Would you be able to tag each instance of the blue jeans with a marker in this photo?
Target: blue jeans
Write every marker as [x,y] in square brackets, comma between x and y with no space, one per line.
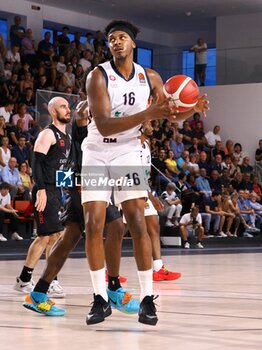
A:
[208,219]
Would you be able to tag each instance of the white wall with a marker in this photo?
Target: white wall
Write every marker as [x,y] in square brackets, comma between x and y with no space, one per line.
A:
[237,109]
[239,49]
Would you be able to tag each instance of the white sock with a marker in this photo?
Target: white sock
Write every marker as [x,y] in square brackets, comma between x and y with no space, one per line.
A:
[99,282]
[157,264]
[146,283]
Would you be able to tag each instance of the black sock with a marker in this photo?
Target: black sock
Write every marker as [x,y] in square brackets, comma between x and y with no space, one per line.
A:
[26,274]
[42,286]
[113,283]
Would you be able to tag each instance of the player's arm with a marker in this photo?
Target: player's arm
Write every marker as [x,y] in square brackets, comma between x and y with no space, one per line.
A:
[100,108]
[44,141]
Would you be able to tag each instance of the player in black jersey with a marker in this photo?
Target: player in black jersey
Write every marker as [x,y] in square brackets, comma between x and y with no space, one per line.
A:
[51,151]
[73,220]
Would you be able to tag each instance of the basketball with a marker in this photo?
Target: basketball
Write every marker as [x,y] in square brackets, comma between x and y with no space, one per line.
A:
[183,90]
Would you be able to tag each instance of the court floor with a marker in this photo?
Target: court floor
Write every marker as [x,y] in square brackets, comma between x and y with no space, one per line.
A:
[216,305]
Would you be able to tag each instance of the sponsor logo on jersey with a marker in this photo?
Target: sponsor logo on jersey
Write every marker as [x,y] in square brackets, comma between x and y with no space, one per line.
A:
[112,77]
[117,114]
[141,78]
[62,143]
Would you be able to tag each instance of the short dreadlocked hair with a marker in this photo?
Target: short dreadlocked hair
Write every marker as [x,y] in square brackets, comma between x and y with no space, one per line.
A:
[124,26]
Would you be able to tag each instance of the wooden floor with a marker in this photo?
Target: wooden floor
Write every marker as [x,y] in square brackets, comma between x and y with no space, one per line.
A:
[217,304]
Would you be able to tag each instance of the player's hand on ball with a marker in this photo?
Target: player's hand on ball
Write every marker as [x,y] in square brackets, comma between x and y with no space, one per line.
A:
[202,105]
[41,200]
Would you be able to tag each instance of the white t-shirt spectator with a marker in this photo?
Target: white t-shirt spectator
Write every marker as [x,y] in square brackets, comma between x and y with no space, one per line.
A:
[186,218]
[201,57]
[5,114]
[85,64]
[4,200]
[168,197]
[13,58]
[61,67]
[212,138]
[27,118]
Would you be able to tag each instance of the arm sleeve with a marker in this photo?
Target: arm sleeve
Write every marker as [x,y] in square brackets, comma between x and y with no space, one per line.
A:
[37,168]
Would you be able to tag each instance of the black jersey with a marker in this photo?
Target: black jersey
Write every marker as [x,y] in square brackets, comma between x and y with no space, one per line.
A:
[56,156]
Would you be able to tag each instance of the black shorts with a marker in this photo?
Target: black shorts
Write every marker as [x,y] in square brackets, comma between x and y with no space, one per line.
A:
[48,221]
[73,210]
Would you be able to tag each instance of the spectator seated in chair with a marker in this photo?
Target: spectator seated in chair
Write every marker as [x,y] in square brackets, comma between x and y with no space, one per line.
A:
[191,224]
[172,205]
[8,212]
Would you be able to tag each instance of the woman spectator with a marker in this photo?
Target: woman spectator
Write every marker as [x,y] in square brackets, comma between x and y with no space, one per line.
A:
[238,152]
[234,209]
[24,176]
[5,153]
[256,186]
[171,165]
[3,131]
[68,79]
[154,148]
[235,168]
[79,78]
[167,130]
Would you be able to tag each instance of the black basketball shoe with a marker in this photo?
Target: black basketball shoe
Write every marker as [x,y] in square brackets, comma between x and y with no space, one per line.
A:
[99,311]
[147,311]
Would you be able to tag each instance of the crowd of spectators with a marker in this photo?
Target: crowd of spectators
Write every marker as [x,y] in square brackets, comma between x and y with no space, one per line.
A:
[195,167]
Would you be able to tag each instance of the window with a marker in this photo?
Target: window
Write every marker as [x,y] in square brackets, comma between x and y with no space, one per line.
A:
[189,65]
[48,30]
[144,57]
[3,29]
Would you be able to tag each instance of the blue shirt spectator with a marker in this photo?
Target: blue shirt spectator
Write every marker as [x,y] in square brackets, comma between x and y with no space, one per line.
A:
[202,183]
[10,173]
[177,146]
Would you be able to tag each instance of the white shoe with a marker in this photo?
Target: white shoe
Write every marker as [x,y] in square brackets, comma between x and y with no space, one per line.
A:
[55,290]
[222,234]
[2,238]
[169,223]
[24,287]
[15,236]
[187,245]
[199,245]
[246,234]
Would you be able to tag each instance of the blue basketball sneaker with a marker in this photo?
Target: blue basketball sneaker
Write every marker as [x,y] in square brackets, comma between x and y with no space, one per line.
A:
[123,301]
[39,302]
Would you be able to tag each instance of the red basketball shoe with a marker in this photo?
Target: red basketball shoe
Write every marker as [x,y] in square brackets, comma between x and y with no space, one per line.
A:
[122,279]
[165,275]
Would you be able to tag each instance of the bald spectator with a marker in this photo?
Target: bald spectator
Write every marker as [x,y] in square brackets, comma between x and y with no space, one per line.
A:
[177,145]
[245,167]
[28,119]
[10,174]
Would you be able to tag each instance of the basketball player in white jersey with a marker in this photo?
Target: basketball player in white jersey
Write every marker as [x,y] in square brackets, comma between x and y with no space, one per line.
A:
[118,92]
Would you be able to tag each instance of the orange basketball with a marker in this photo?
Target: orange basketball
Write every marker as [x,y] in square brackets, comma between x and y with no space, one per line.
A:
[183,91]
